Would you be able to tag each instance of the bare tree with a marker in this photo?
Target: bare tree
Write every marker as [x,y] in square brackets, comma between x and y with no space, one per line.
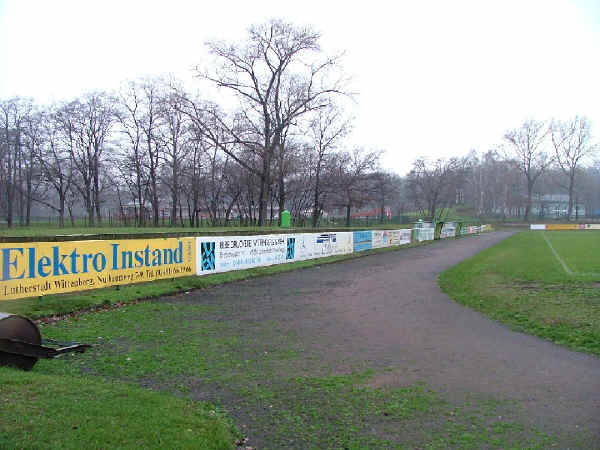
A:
[384,186]
[13,114]
[352,170]
[31,170]
[327,129]
[134,160]
[433,185]
[88,121]
[527,143]
[56,164]
[173,135]
[277,80]
[140,118]
[572,144]
[192,173]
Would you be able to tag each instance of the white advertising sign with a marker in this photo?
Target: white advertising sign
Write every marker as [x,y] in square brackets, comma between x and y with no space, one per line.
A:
[319,245]
[448,230]
[380,238]
[388,238]
[535,226]
[225,253]
[400,237]
[424,234]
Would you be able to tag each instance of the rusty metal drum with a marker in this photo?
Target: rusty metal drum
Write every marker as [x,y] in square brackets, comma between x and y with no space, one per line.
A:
[21,329]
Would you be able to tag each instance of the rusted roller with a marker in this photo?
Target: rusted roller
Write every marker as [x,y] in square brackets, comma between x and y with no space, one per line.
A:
[17,329]
[21,343]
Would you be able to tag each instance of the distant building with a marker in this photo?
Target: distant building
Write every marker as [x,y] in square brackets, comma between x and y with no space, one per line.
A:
[387,213]
[556,206]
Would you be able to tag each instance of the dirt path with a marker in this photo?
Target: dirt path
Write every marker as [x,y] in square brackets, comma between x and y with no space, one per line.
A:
[388,311]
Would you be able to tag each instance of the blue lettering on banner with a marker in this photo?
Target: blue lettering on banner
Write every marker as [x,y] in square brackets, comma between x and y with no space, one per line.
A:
[326,237]
[73,263]
[7,264]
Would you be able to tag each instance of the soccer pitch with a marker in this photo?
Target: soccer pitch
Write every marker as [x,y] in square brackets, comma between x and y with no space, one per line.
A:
[545,283]
[578,252]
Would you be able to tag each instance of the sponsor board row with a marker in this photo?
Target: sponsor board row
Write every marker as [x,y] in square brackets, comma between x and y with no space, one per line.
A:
[424,234]
[565,226]
[44,268]
[451,229]
[448,230]
[471,229]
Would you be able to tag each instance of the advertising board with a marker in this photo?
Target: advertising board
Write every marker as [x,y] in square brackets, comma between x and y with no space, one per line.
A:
[380,238]
[448,230]
[424,234]
[43,268]
[388,238]
[225,253]
[562,226]
[362,240]
[400,237]
[319,245]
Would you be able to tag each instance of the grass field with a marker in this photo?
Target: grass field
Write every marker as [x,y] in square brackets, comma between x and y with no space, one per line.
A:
[255,370]
[545,283]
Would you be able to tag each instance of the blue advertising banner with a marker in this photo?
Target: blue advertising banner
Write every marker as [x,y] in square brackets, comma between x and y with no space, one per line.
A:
[363,240]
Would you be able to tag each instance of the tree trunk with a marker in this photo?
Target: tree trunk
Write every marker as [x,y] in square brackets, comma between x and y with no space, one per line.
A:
[316,206]
[97,190]
[61,210]
[155,212]
[571,189]
[175,189]
[528,206]
[265,183]
[281,197]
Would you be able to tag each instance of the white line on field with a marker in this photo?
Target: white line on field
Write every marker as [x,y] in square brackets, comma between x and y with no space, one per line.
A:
[560,260]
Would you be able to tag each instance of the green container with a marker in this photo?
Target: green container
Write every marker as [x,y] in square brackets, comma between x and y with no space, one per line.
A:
[285,219]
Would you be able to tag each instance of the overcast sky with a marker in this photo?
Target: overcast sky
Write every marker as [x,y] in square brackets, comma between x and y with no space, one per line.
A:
[435,78]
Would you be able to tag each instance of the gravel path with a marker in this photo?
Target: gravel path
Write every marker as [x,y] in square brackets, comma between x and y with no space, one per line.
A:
[388,311]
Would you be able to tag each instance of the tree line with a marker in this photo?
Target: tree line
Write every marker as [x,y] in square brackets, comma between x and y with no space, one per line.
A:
[277,140]
[535,162]
[155,143]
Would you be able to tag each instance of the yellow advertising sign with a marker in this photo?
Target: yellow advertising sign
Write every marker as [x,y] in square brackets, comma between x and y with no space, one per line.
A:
[42,268]
[562,226]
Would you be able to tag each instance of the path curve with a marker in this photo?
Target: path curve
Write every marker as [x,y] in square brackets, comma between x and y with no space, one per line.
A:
[388,310]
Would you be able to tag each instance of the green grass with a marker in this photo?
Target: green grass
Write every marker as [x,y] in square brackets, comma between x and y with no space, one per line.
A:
[36,307]
[580,250]
[48,411]
[521,282]
[280,392]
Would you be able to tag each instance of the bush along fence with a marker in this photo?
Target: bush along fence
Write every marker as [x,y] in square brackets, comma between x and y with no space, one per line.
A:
[35,269]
